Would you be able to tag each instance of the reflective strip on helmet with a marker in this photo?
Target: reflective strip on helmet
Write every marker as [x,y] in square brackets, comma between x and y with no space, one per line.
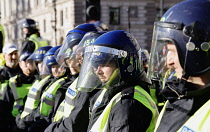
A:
[113,51]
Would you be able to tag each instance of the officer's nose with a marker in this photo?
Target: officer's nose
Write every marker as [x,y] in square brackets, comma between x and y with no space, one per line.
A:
[98,70]
[170,59]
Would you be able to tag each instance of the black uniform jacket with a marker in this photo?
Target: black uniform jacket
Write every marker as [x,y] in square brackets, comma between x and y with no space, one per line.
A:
[41,122]
[24,123]
[178,111]
[127,115]
[28,46]
[7,72]
[139,116]
[8,101]
[79,117]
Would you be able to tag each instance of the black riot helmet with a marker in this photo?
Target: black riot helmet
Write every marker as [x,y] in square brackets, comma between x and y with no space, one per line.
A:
[187,26]
[117,50]
[30,24]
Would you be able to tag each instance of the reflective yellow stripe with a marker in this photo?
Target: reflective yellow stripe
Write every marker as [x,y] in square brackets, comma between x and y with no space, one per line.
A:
[160,115]
[143,97]
[101,125]
[71,94]
[12,85]
[48,97]
[153,94]
[199,122]
[3,35]
[33,97]
[19,93]
[3,88]
[99,99]
[59,112]
[38,41]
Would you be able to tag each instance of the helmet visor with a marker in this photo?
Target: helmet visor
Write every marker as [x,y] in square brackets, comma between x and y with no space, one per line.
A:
[57,70]
[66,49]
[78,52]
[46,69]
[100,69]
[163,55]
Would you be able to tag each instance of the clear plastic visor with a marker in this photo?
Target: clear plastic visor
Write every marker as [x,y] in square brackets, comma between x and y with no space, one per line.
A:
[66,48]
[163,53]
[51,67]
[100,69]
[78,52]
[46,69]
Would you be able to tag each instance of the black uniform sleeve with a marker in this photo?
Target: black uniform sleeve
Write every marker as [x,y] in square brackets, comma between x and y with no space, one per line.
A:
[129,115]
[78,119]
[27,121]
[44,122]
[6,105]
[60,96]
[8,97]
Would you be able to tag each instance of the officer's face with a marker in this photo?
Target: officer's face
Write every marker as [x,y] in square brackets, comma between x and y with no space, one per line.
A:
[11,59]
[57,70]
[173,60]
[25,30]
[74,63]
[28,67]
[104,71]
[39,66]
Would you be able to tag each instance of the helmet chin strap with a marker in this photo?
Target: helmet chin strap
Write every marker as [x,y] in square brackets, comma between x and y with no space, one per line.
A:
[185,75]
[187,48]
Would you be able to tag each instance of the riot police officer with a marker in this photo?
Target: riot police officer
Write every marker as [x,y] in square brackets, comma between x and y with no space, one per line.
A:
[77,39]
[181,44]
[33,40]
[17,89]
[24,118]
[112,63]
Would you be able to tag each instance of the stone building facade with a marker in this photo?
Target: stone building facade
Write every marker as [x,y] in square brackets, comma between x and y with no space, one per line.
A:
[57,17]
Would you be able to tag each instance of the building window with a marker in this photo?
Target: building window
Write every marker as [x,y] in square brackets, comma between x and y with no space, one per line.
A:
[66,12]
[61,17]
[44,25]
[37,3]
[114,16]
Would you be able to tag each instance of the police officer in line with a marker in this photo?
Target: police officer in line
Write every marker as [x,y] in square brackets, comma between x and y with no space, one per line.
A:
[38,57]
[17,89]
[33,40]
[66,55]
[76,103]
[112,64]
[184,34]
[53,94]
[24,119]
[11,68]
